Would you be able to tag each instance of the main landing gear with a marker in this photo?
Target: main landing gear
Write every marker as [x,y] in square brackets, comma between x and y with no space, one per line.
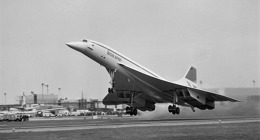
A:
[173,108]
[130,109]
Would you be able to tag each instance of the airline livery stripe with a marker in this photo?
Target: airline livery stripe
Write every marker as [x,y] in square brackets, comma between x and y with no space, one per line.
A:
[125,59]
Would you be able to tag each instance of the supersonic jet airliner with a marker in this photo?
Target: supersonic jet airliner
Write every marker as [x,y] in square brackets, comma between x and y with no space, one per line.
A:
[140,88]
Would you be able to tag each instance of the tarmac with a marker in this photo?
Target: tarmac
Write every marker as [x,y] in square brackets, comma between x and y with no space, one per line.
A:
[108,122]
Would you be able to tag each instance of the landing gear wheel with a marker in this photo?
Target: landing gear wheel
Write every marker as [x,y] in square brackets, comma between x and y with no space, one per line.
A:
[178,110]
[127,110]
[131,110]
[170,108]
[173,109]
[135,111]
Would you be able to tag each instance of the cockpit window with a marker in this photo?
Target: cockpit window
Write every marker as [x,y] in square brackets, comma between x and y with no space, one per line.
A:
[84,40]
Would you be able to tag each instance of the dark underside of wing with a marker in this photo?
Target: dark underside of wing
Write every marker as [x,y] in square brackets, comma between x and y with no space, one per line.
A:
[214,96]
[165,86]
[149,90]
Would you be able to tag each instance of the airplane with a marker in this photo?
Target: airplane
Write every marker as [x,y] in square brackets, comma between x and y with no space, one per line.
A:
[140,88]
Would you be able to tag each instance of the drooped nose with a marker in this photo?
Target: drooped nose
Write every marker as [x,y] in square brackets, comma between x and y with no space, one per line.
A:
[79,46]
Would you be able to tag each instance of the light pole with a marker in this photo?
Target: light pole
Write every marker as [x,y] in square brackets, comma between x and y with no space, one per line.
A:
[42,91]
[200,84]
[5,98]
[47,88]
[59,91]
[23,100]
[254,83]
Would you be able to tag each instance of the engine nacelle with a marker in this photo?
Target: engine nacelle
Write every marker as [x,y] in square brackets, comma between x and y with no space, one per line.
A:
[210,105]
[199,100]
[149,106]
[197,96]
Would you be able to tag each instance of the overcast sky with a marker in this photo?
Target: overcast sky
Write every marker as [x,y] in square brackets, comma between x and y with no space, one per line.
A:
[219,37]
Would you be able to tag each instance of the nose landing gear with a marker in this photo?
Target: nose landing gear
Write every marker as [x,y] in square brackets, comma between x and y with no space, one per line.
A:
[112,82]
[129,109]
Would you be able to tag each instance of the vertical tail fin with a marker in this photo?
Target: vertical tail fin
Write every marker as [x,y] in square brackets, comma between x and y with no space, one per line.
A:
[191,74]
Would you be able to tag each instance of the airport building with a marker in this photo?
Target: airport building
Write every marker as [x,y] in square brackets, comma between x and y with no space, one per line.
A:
[7,107]
[92,104]
[38,99]
[76,104]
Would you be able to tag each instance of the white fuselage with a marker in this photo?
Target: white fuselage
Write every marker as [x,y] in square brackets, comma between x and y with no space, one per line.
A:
[110,59]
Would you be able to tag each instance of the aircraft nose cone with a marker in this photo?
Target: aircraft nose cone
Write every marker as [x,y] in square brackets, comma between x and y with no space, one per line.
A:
[76,45]
[72,45]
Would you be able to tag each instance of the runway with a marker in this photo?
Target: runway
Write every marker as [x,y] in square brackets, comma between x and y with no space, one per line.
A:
[81,123]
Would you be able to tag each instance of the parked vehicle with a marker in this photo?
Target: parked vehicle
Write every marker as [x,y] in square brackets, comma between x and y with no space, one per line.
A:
[24,118]
[48,114]
[75,113]
[1,117]
[14,117]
